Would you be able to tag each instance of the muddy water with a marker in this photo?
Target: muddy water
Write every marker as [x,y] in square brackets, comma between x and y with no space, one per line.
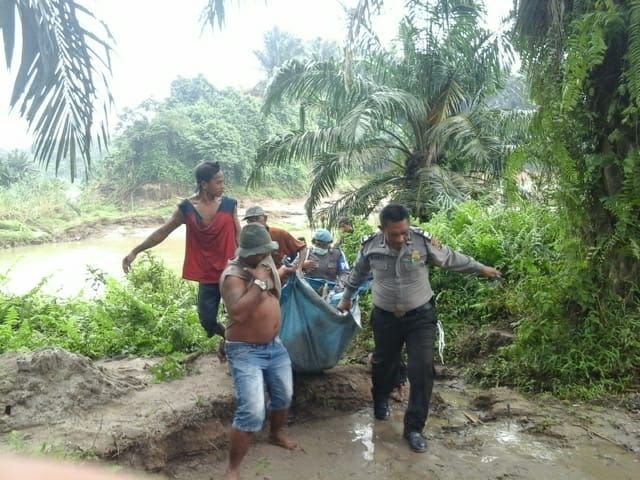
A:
[65,265]
[359,448]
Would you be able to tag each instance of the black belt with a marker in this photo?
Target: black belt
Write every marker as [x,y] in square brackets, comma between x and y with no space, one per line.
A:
[402,313]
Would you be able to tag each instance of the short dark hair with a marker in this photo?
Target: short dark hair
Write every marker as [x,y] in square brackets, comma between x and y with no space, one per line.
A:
[393,212]
[205,172]
[344,221]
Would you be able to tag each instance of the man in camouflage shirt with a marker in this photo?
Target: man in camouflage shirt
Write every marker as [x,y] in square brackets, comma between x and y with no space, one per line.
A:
[403,312]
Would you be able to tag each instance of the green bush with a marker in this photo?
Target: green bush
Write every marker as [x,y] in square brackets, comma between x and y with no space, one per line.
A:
[568,340]
[153,313]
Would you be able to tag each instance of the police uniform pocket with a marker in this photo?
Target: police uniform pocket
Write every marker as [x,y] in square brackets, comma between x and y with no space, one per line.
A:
[379,264]
[413,264]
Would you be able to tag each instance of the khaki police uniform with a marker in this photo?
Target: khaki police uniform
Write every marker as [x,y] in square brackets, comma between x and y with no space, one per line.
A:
[403,313]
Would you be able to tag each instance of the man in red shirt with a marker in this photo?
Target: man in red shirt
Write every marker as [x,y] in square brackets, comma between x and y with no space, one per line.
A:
[212,232]
[288,245]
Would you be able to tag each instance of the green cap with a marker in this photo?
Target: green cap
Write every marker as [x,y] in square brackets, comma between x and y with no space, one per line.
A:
[254,240]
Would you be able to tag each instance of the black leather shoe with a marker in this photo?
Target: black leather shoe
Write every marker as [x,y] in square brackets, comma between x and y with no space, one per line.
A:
[417,442]
[381,409]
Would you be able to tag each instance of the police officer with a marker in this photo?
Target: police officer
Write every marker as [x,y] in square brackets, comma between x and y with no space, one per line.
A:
[403,313]
[323,261]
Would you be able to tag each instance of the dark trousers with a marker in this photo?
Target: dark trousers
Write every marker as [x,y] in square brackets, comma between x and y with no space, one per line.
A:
[208,303]
[416,329]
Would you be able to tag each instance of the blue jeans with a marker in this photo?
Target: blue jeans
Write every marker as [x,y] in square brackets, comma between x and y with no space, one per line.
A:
[252,366]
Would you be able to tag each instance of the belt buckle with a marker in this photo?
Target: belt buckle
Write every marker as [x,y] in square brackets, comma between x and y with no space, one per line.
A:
[399,313]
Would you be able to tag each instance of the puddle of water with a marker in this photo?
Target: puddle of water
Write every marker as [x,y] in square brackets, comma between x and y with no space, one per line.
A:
[358,448]
[363,433]
[510,436]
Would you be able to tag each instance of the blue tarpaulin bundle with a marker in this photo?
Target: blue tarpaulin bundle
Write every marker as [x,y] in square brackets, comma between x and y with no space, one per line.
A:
[315,333]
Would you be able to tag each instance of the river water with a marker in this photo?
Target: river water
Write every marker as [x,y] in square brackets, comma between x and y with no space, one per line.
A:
[64,266]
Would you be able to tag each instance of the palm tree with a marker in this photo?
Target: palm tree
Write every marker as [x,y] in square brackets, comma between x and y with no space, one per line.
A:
[278,48]
[63,61]
[415,123]
[583,61]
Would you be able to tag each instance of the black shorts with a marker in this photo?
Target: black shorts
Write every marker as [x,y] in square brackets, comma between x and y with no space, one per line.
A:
[208,303]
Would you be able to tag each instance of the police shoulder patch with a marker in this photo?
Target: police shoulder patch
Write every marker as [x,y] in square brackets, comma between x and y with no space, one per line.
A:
[421,232]
[368,238]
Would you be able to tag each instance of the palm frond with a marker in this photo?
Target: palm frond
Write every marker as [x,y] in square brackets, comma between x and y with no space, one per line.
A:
[444,188]
[385,105]
[329,168]
[319,84]
[61,64]
[360,16]
[467,134]
[447,102]
[634,51]
[284,149]
[359,202]
[437,189]
[213,13]
[539,32]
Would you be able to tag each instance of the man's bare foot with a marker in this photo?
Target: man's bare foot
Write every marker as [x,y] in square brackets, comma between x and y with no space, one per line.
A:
[281,441]
[231,475]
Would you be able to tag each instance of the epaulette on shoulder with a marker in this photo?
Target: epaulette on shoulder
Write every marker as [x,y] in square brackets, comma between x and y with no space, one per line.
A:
[420,232]
[368,238]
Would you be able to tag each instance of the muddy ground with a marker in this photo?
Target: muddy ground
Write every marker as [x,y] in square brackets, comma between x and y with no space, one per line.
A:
[60,403]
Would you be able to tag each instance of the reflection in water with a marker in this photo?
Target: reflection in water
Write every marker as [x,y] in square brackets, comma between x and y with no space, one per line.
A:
[64,265]
[508,434]
[488,459]
[364,434]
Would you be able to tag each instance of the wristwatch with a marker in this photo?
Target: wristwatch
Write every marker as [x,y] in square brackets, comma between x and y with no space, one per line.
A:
[262,285]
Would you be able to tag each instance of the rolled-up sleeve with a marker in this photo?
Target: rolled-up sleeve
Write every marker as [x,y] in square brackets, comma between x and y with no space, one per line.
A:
[359,273]
[449,259]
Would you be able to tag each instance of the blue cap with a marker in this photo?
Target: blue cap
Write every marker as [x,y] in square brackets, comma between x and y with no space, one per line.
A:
[322,235]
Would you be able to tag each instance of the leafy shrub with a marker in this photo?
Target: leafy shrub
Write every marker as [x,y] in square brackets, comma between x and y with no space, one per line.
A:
[153,313]
[568,339]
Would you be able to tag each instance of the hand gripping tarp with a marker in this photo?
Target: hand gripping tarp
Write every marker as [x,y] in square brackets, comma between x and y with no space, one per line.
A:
[314,332]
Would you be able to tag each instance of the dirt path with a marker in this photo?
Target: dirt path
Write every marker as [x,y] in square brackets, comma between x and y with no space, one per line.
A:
[473,435]
[62,403]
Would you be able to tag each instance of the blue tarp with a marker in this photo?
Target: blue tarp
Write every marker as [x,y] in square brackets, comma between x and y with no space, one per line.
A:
[315,333]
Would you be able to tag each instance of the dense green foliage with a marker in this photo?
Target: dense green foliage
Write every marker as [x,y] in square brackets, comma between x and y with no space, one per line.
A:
[159,144]
[15,166]
[583,60]
[153,313]
[565,339]
[350,242]
[583,65]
